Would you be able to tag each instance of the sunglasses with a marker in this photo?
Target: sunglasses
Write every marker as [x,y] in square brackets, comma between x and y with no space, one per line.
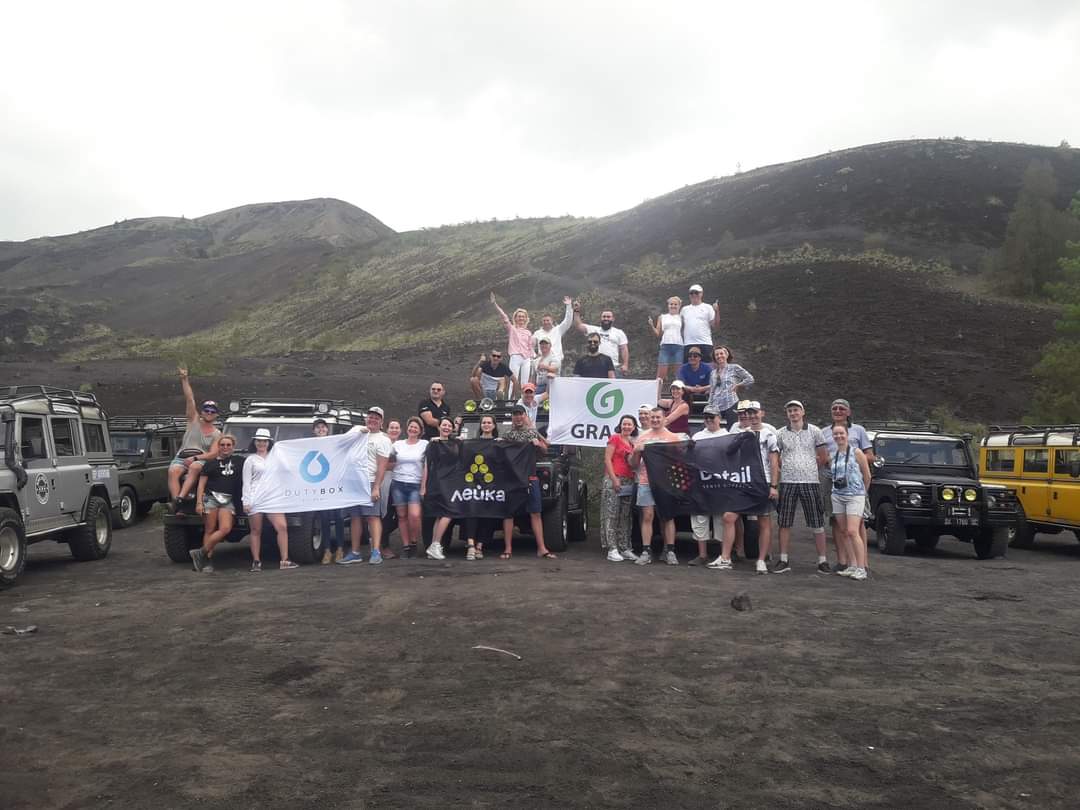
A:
[694,354]
[494,354]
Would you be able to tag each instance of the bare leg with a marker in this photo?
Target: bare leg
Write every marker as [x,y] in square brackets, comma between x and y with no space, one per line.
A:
[210,522]
[176,472]
[277,520]
[414,522]
[255,523]
[224,526]
[356,530]
[785,539]
[508,536]
[764,523]
[192,479]
[731,522]
[537,521]
[647,513]
[476,389]
[403,525]
[375,530]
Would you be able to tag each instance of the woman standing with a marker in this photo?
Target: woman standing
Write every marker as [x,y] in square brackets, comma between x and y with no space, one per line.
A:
[480,530]
[616,495]
[850,475]
[214,501]
[442,522]
[254,465]
[519,345]
[725,382]
[676,409]
[405,485]
[668,327]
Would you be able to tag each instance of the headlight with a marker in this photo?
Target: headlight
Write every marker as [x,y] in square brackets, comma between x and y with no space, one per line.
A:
[487,403]
[470,405]
[991,501]
[914,498]
[948,494]
[970,495]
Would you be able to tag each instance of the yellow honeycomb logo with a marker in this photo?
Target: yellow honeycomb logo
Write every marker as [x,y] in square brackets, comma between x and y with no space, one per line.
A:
[479,471]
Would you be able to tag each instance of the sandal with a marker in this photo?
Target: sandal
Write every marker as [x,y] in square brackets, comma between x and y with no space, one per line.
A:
[506,555]
[471,553]
[287,565]
[479,552]
[547,555]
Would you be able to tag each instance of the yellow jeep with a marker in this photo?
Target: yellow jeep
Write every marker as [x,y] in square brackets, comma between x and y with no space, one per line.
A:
[1042,463]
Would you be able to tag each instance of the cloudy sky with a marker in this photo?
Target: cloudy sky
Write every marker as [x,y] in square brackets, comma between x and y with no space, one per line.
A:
[434,113]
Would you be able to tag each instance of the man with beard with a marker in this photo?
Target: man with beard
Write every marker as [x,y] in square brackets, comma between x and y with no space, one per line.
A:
[613,342]
[594,364]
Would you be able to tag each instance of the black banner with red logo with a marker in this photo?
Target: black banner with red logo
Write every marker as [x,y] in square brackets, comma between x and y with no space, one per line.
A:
[477,478]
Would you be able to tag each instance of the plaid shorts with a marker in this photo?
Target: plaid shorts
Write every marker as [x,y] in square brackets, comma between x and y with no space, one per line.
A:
[813,508]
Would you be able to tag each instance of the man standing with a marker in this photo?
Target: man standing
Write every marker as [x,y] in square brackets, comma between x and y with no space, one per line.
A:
[802,454]
[489,377]
[840,414]
[695,374]
[520,431]
[594,364]
[699,524]
[770,460]
[698,318]
[656,433]
[554,333]
[379,449]
[613,342]
[433,409]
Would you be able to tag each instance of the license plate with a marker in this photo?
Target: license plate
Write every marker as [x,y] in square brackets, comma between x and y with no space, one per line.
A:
[958,511]
[959,521]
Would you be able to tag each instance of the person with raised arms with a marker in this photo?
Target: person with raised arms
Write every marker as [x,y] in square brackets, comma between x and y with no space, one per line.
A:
[198,445]
[519,344]
[554,332]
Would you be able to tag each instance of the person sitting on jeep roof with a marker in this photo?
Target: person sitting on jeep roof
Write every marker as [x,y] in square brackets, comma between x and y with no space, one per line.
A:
[254,465]
[198,445]
[489,377]
[521,431]
[215,501]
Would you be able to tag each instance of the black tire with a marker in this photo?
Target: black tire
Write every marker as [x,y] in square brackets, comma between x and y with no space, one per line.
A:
[145,507]
[1023,535]
[180,539]
[127,512]
[927,541]
[555,525]
[306,544]
[751,548]
[577,523]
[891,538]
[93,539]
[12,547]
[991,543]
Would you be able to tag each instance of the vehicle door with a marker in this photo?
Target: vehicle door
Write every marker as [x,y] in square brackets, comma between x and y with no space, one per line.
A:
[1035,482]
[154,483]
[41,500]
[1065,487]
[71,465]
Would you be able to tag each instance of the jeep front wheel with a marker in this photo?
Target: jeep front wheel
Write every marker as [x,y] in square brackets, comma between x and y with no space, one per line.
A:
[180,539]
[555,525]
[92,540]
[129,508]
[577,528]
[12,547]
[889,530]
[991,543]
[926,540]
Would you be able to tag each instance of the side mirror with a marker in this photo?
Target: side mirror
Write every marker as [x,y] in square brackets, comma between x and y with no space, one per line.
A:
[1074,468]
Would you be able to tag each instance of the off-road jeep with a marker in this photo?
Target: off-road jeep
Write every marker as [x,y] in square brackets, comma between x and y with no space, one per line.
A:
[285,419]
[143,446]
[924,484]
[564,493]
[58,480]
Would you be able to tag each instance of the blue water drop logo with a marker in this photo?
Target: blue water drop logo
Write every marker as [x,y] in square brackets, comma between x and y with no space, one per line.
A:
[314,456]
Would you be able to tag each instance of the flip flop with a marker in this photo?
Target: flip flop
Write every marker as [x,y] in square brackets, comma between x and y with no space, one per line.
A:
[547,555]
[506,555]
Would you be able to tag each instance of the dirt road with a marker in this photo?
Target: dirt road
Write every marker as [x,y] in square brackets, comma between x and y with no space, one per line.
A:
[941,682]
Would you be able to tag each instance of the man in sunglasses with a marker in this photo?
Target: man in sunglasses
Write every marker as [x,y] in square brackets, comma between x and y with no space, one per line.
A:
[489,377]
[199,445]
[432,409]
[594,363]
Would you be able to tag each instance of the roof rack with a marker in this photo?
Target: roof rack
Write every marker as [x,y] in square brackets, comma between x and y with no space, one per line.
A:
[1033,431]
[899,426]
[290,406]
[147,423]
[10,394]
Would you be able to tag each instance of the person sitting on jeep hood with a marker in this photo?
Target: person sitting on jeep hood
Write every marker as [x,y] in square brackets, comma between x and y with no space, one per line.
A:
[199,445]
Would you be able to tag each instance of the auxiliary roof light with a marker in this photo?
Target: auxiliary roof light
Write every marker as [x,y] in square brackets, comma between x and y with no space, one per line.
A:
[470,405]
[487,404]
[234,405]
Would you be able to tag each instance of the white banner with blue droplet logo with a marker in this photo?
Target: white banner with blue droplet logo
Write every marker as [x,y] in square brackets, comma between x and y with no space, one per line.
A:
[585,411]
[312,474]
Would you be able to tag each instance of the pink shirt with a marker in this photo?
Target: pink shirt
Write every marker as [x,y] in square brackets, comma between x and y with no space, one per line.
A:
[519,339]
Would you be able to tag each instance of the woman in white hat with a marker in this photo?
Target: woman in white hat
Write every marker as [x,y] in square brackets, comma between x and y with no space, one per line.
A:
[254,465]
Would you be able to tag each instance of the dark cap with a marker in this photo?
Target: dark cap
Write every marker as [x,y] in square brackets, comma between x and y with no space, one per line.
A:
[519,409]
[210,405]
[319,421]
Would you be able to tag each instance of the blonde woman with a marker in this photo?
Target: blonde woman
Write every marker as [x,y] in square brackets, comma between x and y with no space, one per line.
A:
[850,474]
[519,345]
[668,327]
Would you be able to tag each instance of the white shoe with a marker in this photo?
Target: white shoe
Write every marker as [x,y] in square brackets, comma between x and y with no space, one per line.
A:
[720,564]
[761,567]
[847,572]
[435,552]
[629,555]
[613,555]
[859,573]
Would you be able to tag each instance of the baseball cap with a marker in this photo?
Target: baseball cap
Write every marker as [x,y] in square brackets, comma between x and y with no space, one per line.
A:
[710,410]
[376,409]
[843,402]
[678,384]
[518,409]
[794,403]
[210,405]
[645,406]
[529,387]
[696,288]
[544,340]
[319,421]
[748,405]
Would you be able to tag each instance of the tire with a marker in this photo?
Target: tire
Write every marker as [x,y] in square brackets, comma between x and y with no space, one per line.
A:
[991,543]
[577,523]
[93,539]
[12,547]
[127,512]
[145,507]
[890,535]
[1023,535]
[179,540]
[750,539]
[555,520]
[927,541]
[306,544]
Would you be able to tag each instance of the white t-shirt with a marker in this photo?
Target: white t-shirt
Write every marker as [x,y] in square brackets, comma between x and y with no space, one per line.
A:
[409,466]
[672,326]
[554,334]
[610,341]
[254,467]
[710,434]
[378,444]
[697,324]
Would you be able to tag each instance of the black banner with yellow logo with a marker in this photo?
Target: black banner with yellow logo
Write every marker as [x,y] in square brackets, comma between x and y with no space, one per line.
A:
[477,478]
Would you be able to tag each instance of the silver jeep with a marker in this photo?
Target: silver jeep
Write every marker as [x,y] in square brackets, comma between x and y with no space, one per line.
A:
[58,478]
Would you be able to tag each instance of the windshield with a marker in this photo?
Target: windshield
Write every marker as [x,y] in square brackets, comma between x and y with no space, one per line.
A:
[921,452]
[127,445]
[245,432]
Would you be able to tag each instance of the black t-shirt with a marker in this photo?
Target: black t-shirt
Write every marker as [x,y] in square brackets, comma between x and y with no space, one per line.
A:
[593,366]
[501,370]
[438,411]
[223,475]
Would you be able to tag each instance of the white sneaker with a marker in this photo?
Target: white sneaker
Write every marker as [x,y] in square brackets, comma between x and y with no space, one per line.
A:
[645,558]
[761,567]
[847,572]
[860,573]
[629,555]
[613,555]
[720,564]
[670,558]
[435,552]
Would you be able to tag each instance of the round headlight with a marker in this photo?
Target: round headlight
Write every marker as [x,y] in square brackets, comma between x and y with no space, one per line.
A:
[915,499]
[948,494]
[470,405]
[487,403]
[970,495]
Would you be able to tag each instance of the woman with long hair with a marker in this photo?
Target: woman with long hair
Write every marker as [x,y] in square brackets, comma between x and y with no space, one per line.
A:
[668,327]
[254,466]
[676,408]
[405,485]
[447,431]
[617,492]
[725,384]
[850,475]
[480,530]
[215,501]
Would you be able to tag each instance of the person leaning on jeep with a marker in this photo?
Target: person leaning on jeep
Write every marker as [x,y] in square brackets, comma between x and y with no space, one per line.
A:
[489,377]
[199,445]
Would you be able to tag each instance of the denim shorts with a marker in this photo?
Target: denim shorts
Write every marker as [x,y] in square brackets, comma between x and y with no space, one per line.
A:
[644,495]
[670,354]
[374,510]
[536,502]
[210,503]
[403,493]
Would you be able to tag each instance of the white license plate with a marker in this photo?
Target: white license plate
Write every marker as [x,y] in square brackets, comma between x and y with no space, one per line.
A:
[959,511]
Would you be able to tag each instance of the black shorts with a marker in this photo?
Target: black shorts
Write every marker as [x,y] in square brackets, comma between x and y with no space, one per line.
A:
[813,508]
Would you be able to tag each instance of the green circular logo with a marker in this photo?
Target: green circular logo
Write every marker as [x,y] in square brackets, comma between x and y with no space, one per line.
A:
[603,404]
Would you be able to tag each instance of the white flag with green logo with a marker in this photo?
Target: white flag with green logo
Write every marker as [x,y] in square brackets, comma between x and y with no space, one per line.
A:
[586,411]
